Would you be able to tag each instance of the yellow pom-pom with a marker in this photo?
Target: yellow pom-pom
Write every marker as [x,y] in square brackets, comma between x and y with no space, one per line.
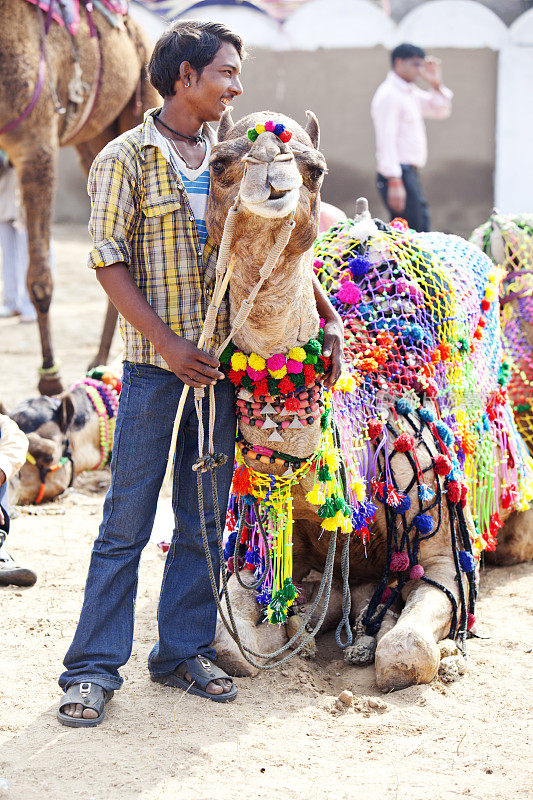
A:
[260,128]
[239,361]
[278,374]
[332,459]
[315,496]
[360,489]
[297,354]
[490,293]
[329,524]
[256,362]
[346,383]
[346,525]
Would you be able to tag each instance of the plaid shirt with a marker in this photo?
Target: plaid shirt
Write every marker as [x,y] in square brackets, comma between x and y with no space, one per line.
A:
[140,215]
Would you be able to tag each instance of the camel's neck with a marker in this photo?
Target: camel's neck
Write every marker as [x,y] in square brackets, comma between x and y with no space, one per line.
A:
[284,314]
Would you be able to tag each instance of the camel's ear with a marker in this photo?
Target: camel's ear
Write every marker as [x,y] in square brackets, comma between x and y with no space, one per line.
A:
[41,449]
[313,129]
[226,124]
[66,411]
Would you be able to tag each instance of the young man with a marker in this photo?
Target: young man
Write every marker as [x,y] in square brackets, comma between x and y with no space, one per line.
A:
[152,256]
[398,110]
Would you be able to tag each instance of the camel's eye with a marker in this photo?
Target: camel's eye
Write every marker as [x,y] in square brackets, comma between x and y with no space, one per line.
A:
[218,167]
[316,173]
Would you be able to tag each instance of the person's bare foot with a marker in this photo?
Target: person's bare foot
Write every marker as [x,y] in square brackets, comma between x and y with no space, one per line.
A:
[77,711]
[219,686]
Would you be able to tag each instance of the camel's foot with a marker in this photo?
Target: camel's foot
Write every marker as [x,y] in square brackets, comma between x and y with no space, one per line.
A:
[294,624]
[515,540]
[362,651]
[50,382]
[406,656]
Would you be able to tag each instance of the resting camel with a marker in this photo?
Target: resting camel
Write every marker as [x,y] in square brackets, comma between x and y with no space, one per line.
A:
[110,99]
[418,578]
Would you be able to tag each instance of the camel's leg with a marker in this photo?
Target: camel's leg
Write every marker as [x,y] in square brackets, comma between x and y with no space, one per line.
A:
[515,540]
[37,175]
[408,654]
[363,649]
[261,637]
[108,331]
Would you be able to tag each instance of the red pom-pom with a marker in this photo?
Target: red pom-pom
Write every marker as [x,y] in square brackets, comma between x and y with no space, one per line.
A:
[416,572]
[375,428]
[230,564]
[285,136]
[453,492]
[387,591]
[235,376]
[404,442]
[464,494]
[399,562]
[292,404]
[470,621]
[309,374]
[261,388]
[442,465]
[485,305]
[242,483]
[286,386]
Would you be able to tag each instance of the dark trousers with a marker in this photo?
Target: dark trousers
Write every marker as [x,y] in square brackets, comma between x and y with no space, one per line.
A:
[416,210]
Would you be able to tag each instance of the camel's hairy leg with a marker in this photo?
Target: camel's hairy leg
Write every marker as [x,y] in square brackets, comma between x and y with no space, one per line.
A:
[408,654]
[363,649]
[258,636]
[37,175]
[515,540]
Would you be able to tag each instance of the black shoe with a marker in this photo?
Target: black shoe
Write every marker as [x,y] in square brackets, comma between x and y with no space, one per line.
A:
[12,574]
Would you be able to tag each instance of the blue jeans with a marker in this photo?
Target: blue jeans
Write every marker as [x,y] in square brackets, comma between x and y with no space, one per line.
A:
[187,610]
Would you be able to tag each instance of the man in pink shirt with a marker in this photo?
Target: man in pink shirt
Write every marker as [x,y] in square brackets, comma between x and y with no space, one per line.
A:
[398,110]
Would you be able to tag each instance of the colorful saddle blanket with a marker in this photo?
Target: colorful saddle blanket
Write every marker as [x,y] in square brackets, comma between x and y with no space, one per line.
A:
[67,12]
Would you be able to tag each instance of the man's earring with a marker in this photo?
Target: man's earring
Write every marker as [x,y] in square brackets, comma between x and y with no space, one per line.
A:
[187,85]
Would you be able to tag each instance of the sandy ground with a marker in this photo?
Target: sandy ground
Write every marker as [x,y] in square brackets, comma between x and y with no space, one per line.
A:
[283,737]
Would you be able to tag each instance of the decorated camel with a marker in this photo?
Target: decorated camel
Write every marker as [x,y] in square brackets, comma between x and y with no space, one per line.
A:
[64,82]
[414,459]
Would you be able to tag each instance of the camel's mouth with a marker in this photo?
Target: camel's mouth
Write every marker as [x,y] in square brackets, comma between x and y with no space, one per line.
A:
[279,203]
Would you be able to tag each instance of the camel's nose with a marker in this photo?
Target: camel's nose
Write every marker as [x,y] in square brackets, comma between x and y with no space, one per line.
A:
[268,147]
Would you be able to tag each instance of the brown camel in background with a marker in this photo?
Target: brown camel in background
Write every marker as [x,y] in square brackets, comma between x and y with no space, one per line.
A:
[115,87]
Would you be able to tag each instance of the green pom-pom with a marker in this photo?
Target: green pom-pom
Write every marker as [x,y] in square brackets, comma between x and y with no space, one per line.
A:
[313,347]
[226,354]
[320,336]
[272,384]
[521,407]
[247,382]
[325,418]
[288,591]
[324,473]
[252,134]
[311,359]
[327,509]
[298,378]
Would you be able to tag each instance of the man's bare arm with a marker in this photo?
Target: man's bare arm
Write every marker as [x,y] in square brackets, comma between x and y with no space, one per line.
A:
[333,333]
[193,366]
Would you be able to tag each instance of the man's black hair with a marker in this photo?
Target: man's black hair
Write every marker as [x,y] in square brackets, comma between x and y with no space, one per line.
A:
[406,50]
[195,42]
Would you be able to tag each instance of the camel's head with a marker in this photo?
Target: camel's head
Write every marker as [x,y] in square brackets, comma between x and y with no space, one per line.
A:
[63,436]
[274,177]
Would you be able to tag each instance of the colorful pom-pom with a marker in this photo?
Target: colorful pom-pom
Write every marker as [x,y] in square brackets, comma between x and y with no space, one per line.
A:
[423,523]
[399,562]
[349,293]
[239,362]
[375,428]
[269,126]
[470,621]
[442,465]
[359,266]
[453,491]
[467,562]
[404,442]
[416,572]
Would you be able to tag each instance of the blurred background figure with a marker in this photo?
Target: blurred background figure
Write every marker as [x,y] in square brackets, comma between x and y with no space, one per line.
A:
[14,247]
[398,110]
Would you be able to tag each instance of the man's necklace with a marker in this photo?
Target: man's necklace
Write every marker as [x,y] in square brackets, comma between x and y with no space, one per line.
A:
[174,147]
[196,139]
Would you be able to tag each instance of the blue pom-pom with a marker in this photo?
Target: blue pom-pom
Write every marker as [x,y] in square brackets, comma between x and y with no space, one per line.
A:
[423,523]
[416,333]
[358,519]
[403,406]
[365,309]
[467,561]
[359,266]
[279,128]
[370,509]
[263,598]
[445,433]
[403,506]
[425,492]
[229,547]
[426,414]
[455,474]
